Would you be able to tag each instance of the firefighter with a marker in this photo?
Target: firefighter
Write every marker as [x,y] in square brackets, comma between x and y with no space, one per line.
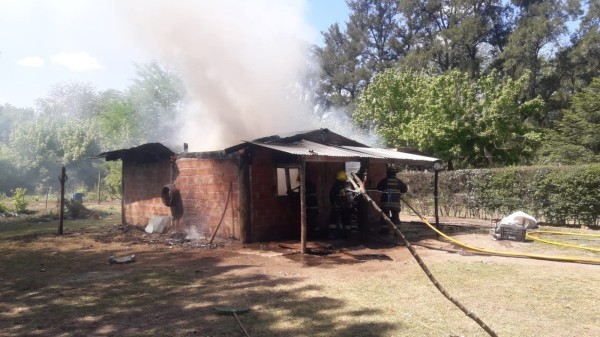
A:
[391,189]
[341,198]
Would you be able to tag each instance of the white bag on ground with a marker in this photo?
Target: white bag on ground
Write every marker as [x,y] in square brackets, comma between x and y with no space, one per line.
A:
[519,220]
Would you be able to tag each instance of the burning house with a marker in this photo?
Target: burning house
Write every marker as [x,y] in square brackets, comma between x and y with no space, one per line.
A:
[249,189]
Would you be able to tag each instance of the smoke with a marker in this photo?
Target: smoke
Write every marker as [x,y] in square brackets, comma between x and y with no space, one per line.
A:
[243,64]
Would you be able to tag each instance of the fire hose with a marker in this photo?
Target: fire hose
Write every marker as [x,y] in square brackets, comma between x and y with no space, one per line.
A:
[533,236]
[504,253]
[360,188]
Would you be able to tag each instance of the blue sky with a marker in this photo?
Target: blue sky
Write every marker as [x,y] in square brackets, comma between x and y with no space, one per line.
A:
[45,42]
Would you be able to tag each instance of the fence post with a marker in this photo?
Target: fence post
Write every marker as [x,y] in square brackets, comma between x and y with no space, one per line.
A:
[61,213]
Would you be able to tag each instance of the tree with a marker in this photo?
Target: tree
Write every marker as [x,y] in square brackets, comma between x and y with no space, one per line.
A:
[157,97]
[539,26]
[371,43]
[576,139]
[72,100]
[436,35]
[479,123]
[455,35]
[118,122]
[11,116]
[343,76]
[583,55]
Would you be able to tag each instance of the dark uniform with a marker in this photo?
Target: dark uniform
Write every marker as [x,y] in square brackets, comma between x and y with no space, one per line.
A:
[392,188]
[341,198]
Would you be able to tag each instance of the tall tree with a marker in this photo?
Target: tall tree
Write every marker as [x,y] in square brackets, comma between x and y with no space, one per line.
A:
[456,34]
[575,140]
[72,100]
[471,123]
[10,117]
[584,52]
[350,58]
[343,75]
[157,95]
[540,27]
[118,122]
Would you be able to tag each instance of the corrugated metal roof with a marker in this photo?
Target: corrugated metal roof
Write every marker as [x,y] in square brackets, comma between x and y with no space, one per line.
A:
[308,149]
[393,154]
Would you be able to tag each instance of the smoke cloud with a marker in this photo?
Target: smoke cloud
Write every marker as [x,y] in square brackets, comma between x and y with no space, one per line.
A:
[242,62]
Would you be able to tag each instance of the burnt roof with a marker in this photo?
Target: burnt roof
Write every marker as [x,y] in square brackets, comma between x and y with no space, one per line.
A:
[320,136]
[317,152]
[150,152]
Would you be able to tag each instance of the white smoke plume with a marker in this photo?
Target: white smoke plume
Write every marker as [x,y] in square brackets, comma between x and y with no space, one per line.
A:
[241,62]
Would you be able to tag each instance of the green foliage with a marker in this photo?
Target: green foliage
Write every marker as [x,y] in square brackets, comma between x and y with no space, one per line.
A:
[555,194]
[75,210]
[19,202]
[75,122]
[157,96]
[118,121]
[113,179]
[3,207]
[473,123]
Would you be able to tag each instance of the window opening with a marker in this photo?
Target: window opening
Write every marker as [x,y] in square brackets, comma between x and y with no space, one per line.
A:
[287,181]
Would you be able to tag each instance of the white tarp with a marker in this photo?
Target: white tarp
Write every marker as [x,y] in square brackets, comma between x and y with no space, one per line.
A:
[519,220]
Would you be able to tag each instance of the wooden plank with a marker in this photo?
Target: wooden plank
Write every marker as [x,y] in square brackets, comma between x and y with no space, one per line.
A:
[302,174]
[244,197]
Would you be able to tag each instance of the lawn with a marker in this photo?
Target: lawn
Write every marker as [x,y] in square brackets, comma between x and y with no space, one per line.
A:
[53,285]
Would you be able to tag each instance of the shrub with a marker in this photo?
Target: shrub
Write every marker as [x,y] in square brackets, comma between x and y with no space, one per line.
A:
[20,204]
[3,208]
[75,210]
[565,194]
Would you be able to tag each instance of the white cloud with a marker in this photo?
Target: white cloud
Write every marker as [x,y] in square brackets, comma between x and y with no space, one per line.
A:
[31,62]
[81,61]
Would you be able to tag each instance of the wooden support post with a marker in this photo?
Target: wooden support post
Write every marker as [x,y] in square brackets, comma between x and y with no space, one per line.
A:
[123,182]
[244,196]
[61,211]
[436,172]
[98,187]
[302,174]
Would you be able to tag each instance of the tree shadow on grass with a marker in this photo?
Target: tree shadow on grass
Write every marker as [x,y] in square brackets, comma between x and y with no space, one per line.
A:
[45,292]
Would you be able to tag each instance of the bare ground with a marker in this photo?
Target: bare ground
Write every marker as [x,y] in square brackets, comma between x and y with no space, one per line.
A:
[64,286]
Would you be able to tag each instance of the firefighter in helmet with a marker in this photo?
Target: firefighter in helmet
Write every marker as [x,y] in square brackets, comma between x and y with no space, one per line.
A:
[391,189]
[341,198]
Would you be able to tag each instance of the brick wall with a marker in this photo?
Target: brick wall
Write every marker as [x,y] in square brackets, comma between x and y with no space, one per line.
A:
[272,217]
[143,184]
[204,185]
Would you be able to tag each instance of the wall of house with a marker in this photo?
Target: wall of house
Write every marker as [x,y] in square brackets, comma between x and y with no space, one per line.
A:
[143,184]
[272,217]
[203,181]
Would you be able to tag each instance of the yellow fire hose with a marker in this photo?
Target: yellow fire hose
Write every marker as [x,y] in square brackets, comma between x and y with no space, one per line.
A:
[503,253]
[533,236]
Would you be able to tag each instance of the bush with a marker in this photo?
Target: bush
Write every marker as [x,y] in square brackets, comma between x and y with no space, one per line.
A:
[75,210]
[20,204]
[560,195]
[3,208]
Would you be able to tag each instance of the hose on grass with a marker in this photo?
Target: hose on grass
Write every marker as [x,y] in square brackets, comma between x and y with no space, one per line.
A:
[533,235]
[359,186]
[503,253]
